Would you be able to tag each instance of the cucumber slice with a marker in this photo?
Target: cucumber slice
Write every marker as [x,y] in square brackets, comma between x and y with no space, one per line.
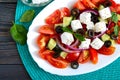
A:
[66,21]
[101,7]
[63,54]
[60,24]
[51,44]
[113,42]
[105,37]
[103,20]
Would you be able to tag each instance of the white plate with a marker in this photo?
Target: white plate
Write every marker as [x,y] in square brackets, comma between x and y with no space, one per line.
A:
[33,34]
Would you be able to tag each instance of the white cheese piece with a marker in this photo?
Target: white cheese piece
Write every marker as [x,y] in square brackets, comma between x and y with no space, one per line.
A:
[85,44]
[97,43]
[38,1]
[100,27]
[85,17]
[75,24]
[90,25]
[105,13]
[67,38]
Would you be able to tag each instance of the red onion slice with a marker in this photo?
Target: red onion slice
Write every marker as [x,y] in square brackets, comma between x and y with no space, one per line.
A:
[92,11]
[64,49]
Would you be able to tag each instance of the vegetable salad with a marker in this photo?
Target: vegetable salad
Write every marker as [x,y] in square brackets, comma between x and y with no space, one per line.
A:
[76,36]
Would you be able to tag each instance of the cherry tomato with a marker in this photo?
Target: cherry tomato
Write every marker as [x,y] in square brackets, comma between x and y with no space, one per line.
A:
[79,5]
[84,57]
[42,41]
[44,53]
[72,57]
[57,62]
[93,55]
[54,17]
[107,51]
[65,12]
[46,29]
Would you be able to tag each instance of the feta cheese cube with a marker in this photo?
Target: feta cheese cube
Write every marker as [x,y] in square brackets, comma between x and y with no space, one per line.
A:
[75,24]
[90,25]
[67,38]
[100,27]
[85,17]
[85,44]
[97,43]
[105,13]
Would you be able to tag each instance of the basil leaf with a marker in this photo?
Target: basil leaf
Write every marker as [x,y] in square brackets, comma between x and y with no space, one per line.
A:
[116,30]
[114,17]
[27,16]
[79,37]
[66,29]
[19,33]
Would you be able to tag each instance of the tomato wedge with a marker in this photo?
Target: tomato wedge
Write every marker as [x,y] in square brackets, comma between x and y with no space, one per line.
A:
[88,4]
[54,17]
[72,57]
[47,29]
[44,53]
[93,55]
[42,41]
[79,5]
[57,62]
[84,57]
[107,51]
[65,12]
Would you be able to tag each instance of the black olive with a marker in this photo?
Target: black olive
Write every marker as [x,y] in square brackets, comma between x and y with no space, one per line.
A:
[107,43]
[75,12]
[113,36]
[94,18]
[58,29]
[107,3]
[80,31]
[56,55]
[74,65]
[57,49]
[91,33]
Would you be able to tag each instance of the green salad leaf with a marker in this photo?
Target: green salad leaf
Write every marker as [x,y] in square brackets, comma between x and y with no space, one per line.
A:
[19,33]
[114,17]
[27,16]
[116,30]
[78,36]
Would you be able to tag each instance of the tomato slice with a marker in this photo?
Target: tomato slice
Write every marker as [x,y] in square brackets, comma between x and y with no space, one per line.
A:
[93,55]
[42,41]
[84,57]
[57,62]
[79,5]
[107,51]
[44,53]
[72,57]
[54,17]
[65,12]
[47,29]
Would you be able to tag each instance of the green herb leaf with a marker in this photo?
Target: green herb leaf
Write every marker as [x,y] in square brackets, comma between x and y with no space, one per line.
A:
[19,33]
[66,29]
[79,37]
[27,16]
[116,30]
[114,17]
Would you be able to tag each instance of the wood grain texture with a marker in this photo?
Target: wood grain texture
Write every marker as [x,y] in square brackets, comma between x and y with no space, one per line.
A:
[11,67]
